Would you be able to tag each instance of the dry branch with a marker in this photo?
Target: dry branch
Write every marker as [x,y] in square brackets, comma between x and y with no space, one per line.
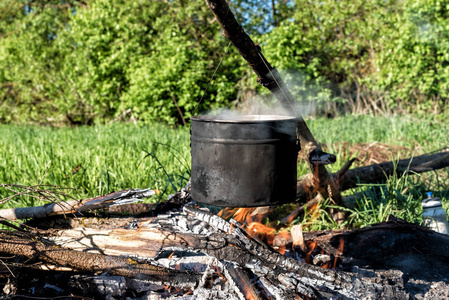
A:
[380,172]
[74,206]
[377,173]
[93,262]
[267,76]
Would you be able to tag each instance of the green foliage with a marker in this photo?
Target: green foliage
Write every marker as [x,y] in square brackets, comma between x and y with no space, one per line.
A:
[93,61]
[86,63]
[366,53]
[145,57]
[28,59]
[414,63]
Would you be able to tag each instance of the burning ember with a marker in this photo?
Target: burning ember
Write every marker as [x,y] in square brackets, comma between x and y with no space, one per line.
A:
[291,244]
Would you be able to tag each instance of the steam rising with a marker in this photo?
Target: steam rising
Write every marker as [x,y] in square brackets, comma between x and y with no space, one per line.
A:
[305,104]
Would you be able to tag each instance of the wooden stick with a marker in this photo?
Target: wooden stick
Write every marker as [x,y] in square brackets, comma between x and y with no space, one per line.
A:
[345,178]
[93,262]
[298,238]
[73,206]
[267,76]
[380,172]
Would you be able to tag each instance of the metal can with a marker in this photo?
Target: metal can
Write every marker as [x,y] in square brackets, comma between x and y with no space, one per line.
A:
[434,216]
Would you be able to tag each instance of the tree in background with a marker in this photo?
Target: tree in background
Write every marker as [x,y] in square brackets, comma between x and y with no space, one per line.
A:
[85,62]
[30,59]
[366,56]
[105,57]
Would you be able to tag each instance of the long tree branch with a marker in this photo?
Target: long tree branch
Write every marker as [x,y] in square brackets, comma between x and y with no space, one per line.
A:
[93,262]
[267,76]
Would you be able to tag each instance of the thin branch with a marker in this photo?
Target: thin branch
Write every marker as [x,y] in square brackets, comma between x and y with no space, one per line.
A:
[74,206]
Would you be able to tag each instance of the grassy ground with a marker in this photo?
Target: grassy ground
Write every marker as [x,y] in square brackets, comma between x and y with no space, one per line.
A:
[102,159]
[94,160]
[400,196]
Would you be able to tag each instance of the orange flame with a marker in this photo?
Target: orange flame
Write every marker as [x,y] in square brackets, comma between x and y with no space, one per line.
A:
[240,214]
[341,246]
[247,216]
[248,294]
[311,245]
[263,232]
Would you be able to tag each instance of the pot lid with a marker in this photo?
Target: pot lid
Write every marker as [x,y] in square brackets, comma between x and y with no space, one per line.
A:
[235,118]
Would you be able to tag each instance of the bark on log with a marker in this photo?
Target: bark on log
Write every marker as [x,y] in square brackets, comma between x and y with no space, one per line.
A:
[74,206]
[379,172]
[92,262]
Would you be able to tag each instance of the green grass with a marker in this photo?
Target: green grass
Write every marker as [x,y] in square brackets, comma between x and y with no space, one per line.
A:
[112,158]
[121,156]
[399,196]
[420,135]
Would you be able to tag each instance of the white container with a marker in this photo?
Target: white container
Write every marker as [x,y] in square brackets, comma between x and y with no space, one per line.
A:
[434,216]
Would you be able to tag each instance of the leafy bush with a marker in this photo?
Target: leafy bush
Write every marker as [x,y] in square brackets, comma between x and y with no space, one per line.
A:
[376,54]
[107,57]
[94,61]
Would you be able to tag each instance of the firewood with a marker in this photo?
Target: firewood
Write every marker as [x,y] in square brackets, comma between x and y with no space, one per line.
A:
[308,195]
[379,172]
[297,238]
[74,206]
[244,284]
[198,231]
[92,262]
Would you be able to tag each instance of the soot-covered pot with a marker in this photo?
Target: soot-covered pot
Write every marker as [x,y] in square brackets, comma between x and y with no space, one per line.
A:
[243,161]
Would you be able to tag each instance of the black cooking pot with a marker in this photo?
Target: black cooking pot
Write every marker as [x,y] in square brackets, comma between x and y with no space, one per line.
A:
[246,160]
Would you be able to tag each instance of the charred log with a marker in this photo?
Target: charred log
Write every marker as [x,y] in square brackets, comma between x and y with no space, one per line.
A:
[92,262]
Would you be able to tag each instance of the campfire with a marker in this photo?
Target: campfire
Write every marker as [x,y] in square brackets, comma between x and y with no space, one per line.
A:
[223,236]
[182,250]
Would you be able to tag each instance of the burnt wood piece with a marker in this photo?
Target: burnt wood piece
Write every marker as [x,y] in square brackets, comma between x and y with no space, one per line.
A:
[362,249]
[93,262]
[410,255]
[415,250]
[243,282]
[323,282]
